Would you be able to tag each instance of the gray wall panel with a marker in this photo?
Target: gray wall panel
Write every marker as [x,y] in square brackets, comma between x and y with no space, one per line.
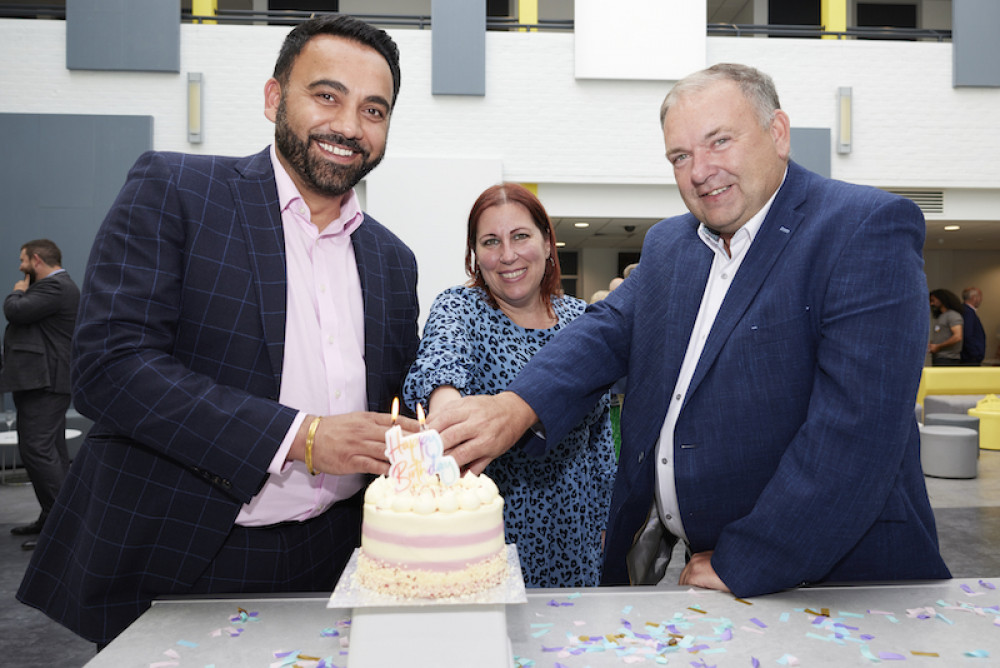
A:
[59,175]
[458,47]
[974,45]
[811,149]
[135,35]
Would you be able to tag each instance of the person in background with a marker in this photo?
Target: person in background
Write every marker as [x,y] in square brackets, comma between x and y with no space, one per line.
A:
[628,269]
[945,344]
[973,334]
[598,296]
[41,313]
[476,340]
[614,283]
[769,415]
[243,325]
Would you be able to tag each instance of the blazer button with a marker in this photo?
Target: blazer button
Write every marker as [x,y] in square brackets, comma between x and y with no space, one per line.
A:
[642,455]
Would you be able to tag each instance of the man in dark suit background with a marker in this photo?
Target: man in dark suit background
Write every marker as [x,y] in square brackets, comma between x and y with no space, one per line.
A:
[41,313]
[768,415]
[240,319]
[973,334]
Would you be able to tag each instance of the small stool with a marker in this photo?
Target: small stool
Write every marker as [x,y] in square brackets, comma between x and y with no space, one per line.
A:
[954,420]
[949,452]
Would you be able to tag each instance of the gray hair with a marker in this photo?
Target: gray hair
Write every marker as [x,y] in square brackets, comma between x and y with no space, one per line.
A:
[757,87]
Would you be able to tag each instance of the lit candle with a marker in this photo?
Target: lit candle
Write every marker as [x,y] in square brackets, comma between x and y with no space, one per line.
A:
[394,434]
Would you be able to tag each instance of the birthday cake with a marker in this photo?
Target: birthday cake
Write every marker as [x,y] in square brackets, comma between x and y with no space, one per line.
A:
[426,532]
[432,540]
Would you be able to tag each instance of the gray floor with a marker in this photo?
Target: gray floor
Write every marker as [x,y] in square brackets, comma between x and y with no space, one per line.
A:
[968,515]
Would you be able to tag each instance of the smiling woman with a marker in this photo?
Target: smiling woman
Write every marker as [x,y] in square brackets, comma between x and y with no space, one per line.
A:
[477,338]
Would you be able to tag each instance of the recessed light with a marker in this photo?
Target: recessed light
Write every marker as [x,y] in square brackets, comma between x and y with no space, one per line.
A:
[581,225]
[952,227]
[560,244]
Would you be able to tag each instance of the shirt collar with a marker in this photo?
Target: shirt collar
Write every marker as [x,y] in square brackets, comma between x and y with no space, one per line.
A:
[289,198]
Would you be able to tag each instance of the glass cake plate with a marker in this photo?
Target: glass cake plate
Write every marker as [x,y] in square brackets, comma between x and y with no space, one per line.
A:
[350,594]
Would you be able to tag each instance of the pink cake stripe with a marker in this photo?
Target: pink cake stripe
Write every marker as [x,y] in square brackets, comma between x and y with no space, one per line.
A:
[435,566]
[431,540]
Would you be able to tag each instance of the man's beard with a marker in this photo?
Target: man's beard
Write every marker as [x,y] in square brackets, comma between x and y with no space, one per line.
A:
[935,311]
[323,176]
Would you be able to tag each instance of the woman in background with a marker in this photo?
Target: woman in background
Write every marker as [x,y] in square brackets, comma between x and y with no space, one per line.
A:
[477,338]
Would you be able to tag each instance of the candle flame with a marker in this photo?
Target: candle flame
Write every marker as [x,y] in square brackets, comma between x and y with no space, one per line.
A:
[395,409]
[420,415]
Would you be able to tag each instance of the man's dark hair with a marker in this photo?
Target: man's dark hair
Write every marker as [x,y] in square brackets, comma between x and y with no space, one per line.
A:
[45,249]
[948,299]
[337,25]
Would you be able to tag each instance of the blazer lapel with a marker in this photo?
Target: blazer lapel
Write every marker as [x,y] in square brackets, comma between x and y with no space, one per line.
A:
[256,198]
[773,236]
[373,291]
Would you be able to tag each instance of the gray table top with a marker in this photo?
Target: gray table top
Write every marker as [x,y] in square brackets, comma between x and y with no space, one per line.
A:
[940,623]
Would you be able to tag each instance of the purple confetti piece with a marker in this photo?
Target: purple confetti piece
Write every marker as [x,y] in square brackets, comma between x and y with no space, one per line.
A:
[818,621]
[758,622]
[966,588]
[891,656]
[697,648]
[988,585]
[867,636]
[754,662]
[282,655]
[560,665]
[553,604]
[726,635]
[551,649]
[627,624]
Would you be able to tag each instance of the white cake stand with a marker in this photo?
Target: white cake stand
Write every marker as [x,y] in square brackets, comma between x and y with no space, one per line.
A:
[429,633]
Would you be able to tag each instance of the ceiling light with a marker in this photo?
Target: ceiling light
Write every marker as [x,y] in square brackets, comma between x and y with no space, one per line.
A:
[581,225]
[560,244]
[952,227]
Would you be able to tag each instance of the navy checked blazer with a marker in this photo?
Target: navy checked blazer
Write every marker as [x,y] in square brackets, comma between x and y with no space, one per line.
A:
[796,451]
[177,359]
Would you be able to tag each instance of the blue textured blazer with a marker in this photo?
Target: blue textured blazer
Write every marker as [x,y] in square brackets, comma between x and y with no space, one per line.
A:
[796,449]
[177,359]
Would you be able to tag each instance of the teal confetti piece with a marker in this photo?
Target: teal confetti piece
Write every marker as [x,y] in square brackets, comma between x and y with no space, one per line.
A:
[539,634]
[542,625]
[576,595]
[851,614]
[978,654]
[867,653]
[627,609]
[945,619]
[187,643]
[816,636]
[783,617]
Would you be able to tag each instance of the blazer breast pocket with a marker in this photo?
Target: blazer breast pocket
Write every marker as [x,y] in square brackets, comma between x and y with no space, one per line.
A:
[781,349]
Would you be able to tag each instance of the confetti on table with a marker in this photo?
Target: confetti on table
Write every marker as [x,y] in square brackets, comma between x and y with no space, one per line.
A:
[978,654]
[187,643]
[891,656]
[915,653]
[172,653]
[987,585]
[788,660]
[758,622]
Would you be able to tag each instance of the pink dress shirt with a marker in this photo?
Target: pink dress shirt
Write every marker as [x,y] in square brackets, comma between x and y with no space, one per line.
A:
[323,370]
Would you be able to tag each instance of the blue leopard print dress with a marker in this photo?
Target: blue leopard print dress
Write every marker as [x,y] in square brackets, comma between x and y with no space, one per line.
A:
[556,505]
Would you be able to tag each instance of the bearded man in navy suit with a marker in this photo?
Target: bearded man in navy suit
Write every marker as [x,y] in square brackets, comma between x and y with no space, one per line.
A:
[241,321]
[768,417]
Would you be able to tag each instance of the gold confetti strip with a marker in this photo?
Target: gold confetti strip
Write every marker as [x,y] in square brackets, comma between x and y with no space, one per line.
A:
[306,657]
[825,612]
[697,610]
[914,653]
[740,600]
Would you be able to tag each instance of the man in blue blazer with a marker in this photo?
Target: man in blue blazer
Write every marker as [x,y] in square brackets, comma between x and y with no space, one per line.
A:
[773,340]
[239,318]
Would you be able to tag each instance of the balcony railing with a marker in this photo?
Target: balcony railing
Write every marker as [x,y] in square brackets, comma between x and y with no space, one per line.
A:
[292,17]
